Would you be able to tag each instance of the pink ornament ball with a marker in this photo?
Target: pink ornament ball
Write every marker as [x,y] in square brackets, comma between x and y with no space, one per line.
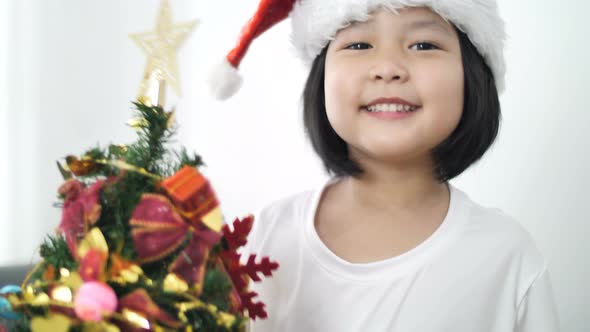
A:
[93,300]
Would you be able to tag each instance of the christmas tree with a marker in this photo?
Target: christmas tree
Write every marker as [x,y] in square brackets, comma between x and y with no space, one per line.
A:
[142,244]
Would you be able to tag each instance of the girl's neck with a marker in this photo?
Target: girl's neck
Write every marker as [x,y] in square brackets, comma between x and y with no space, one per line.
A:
[386,187]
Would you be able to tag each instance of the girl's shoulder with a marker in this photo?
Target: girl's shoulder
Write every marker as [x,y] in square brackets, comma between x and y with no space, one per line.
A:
[493,230]
[505,243]
[290,205]
[492,222]
[278,221]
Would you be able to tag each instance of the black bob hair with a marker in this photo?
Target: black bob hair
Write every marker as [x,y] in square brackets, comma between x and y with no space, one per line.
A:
[475,133]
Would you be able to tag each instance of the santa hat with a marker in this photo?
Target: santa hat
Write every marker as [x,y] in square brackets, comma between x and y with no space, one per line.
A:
[315,23]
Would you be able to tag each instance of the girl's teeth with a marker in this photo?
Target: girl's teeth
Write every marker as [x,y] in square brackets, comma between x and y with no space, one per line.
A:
[390,108]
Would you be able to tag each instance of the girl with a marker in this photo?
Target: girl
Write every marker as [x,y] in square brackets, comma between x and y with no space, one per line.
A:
[402,96]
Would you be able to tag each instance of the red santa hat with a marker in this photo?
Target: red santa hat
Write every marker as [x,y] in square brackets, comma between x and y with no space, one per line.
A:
[315,23]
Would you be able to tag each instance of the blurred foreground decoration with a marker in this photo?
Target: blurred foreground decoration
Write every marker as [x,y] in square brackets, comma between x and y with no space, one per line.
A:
[142,244]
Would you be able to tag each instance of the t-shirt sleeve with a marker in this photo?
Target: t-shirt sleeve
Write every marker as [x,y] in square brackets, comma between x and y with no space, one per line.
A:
[537,311]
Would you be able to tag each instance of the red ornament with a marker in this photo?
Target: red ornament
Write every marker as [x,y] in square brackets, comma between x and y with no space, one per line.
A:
[239,236]
[191,193]
[92,265]
[239,273]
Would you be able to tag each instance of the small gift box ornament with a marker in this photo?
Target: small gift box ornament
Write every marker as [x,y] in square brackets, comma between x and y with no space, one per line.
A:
[194,198]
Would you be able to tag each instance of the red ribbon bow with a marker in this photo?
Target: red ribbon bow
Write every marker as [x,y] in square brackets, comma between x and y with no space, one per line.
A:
[81,209]
[158,230]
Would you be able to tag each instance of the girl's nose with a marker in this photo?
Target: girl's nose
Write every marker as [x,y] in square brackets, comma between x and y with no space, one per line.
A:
[388,67]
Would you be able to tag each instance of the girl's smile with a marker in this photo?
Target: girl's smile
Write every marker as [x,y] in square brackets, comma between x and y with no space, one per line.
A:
[390,108]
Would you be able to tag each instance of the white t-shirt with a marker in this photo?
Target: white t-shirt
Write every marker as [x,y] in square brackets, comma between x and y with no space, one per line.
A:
[479,271]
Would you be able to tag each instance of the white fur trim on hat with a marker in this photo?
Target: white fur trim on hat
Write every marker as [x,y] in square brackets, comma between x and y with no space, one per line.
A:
[224,80]
[315,23]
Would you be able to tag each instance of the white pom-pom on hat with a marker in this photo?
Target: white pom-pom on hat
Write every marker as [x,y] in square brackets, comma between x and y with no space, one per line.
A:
[224,80]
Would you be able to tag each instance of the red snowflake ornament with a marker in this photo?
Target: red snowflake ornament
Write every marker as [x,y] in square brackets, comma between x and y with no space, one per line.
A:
[239,236]
[239,273]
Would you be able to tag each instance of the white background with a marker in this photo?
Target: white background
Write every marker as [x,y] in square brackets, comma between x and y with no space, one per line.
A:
[68,73]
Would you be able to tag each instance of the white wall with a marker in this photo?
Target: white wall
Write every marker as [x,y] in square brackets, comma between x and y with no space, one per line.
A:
[4,167]
[69,71]
[20,105]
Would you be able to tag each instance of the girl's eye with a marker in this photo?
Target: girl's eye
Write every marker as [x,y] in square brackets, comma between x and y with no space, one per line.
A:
[358,46]
[422,46]
[425,46]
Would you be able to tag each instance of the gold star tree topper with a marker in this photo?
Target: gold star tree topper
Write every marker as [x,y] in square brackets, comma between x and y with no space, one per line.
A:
[161,45]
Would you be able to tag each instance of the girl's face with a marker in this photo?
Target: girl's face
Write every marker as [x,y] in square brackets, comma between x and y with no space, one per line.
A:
[414,56]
